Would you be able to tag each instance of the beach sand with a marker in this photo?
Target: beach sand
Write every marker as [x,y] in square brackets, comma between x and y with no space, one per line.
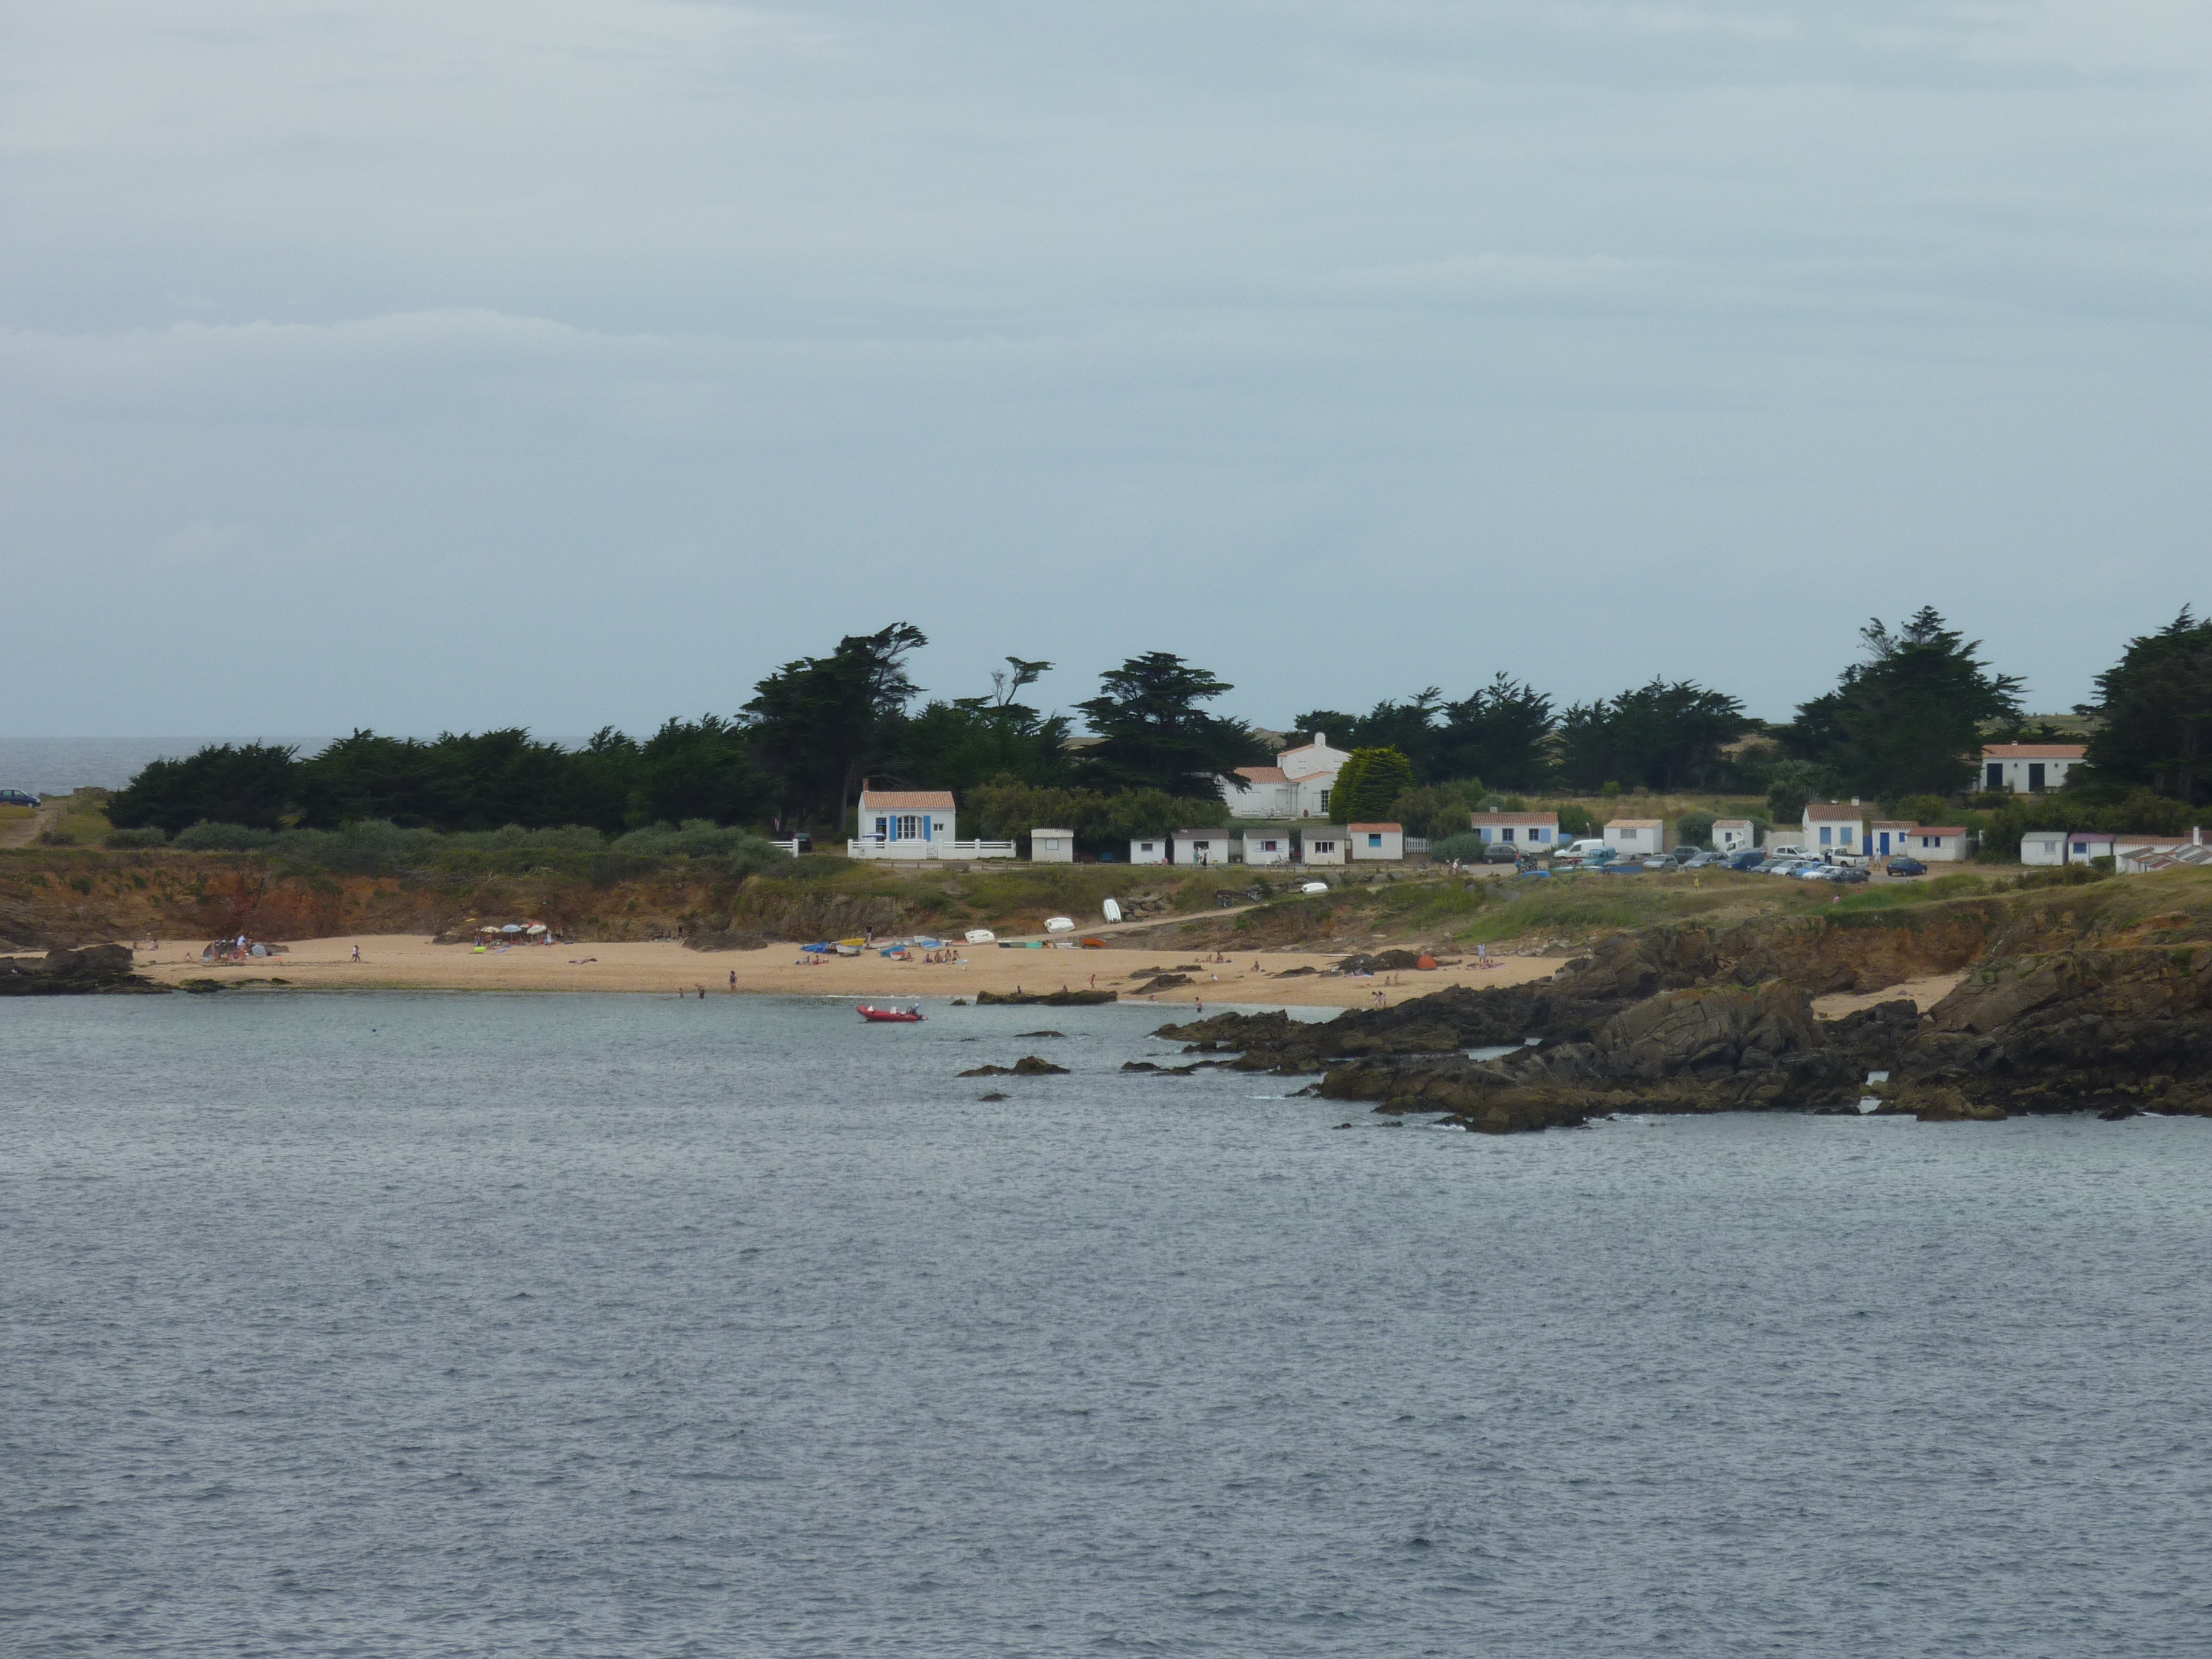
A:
[1925,994]
[403,962]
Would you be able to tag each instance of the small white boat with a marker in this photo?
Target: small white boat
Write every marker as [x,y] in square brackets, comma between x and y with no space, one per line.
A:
[981,936]
[1113,910]
[1314,887]
[1059,925]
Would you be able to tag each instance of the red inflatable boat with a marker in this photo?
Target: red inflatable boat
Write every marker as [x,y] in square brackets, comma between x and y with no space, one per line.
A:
[890,1016]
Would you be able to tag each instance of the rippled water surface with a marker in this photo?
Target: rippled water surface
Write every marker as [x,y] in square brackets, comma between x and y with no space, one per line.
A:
[419,1325]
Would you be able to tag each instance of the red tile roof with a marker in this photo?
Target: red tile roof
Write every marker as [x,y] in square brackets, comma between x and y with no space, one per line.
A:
[1476,818]
[2035,752]
[906,801]
[1369,829]
[1263,774]
[1831,812]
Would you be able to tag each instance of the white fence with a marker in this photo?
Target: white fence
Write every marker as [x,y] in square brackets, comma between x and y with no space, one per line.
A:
[873,847]
[790,847]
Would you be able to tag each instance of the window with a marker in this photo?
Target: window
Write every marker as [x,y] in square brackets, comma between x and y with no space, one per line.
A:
[1144,847]
[1375,841]
[1826,834]
[1506,834]
[881,827]
[1324,847]
[1927,840]
[2080,846]
[1266,845]
[909,828]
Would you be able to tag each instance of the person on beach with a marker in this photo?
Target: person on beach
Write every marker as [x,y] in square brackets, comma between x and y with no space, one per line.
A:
[357,953]
[734,979]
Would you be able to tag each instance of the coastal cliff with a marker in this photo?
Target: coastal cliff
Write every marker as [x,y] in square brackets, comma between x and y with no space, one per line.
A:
[1682,1019]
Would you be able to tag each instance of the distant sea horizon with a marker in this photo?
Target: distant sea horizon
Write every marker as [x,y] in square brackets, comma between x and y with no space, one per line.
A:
[55,766]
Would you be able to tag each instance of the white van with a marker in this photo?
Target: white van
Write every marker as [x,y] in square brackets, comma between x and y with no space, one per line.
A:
[1581,850]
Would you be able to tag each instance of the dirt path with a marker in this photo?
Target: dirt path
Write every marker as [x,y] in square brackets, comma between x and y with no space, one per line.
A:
[23,833]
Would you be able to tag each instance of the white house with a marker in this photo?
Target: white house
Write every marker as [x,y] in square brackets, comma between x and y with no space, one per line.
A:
[1885,837]
[1385,842]
[2029,768]
[1149,850]
[2042,847]
[1296,786]
[2083,845]
[1202,847]
[1522,830]
[1937,843]
[1732,834]
[1323,844]
[1830,827]
[1052,847]
[2132,855]
[1636,838]
[1266,846]
[914,824]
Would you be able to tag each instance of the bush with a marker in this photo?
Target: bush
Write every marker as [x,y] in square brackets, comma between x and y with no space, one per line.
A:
[1466,847]
[151,835]
[1694,830]
[1577,825]
[205,838]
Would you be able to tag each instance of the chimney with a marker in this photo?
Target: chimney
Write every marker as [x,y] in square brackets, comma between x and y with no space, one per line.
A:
[1321,740]
[1855,800]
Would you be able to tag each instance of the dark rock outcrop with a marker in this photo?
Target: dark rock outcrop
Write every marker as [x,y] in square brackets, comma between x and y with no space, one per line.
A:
[1027,1066]
[102,968]
[1049,1000]
[727,939]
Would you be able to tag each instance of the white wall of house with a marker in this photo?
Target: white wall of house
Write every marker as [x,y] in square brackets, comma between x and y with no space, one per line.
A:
[2042,847]
[2027,768]
[1052,847]
[2083,845]
[1831,829]
[1889,838]
[1938,845]
[1732,834]
[1323,844]
[1202,847]
[1152,849]
[1266,845]
[1296,786]
[1376,842]
[1636,837]
[1537,830]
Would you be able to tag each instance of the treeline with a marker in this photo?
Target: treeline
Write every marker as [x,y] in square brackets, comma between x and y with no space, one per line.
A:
[1907,720]
[790,761]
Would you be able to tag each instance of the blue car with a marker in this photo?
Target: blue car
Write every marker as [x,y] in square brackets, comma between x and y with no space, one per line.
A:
[1904,867]
[16,798]
[1746,860]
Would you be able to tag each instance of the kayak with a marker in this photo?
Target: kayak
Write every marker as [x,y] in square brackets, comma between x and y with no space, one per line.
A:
[890,1016]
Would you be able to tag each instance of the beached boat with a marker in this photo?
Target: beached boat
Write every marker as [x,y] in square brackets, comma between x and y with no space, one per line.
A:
[889,1016]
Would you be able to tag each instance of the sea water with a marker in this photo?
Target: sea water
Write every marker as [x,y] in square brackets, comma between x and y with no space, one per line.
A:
[595,1325]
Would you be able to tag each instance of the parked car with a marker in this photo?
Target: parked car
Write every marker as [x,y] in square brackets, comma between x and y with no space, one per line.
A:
[1583,852]
[16,798]
[1704,860]
[1501,851]
[1851,875]
[1747,859]
[1905,866]
[1812,870]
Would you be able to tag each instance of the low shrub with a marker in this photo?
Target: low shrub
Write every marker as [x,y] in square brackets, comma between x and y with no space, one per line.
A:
[151,836]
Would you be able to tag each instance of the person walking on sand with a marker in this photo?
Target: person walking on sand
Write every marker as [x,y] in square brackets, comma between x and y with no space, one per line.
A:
[734,979]
[357,953]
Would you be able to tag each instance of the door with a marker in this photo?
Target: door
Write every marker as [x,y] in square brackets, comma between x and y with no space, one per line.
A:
[2035,777]
[1994,778]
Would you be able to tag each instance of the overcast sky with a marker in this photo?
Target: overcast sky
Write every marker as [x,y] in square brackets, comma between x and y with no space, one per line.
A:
[450,363]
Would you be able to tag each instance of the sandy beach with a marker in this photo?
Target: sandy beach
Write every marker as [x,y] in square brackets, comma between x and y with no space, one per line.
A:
[392,961]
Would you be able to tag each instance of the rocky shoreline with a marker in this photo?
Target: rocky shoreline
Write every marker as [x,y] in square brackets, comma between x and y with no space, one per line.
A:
[98,969]
[1660,1022]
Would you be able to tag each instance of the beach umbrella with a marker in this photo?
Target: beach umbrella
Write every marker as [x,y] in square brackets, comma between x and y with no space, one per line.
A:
[512,927]
[535,928]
